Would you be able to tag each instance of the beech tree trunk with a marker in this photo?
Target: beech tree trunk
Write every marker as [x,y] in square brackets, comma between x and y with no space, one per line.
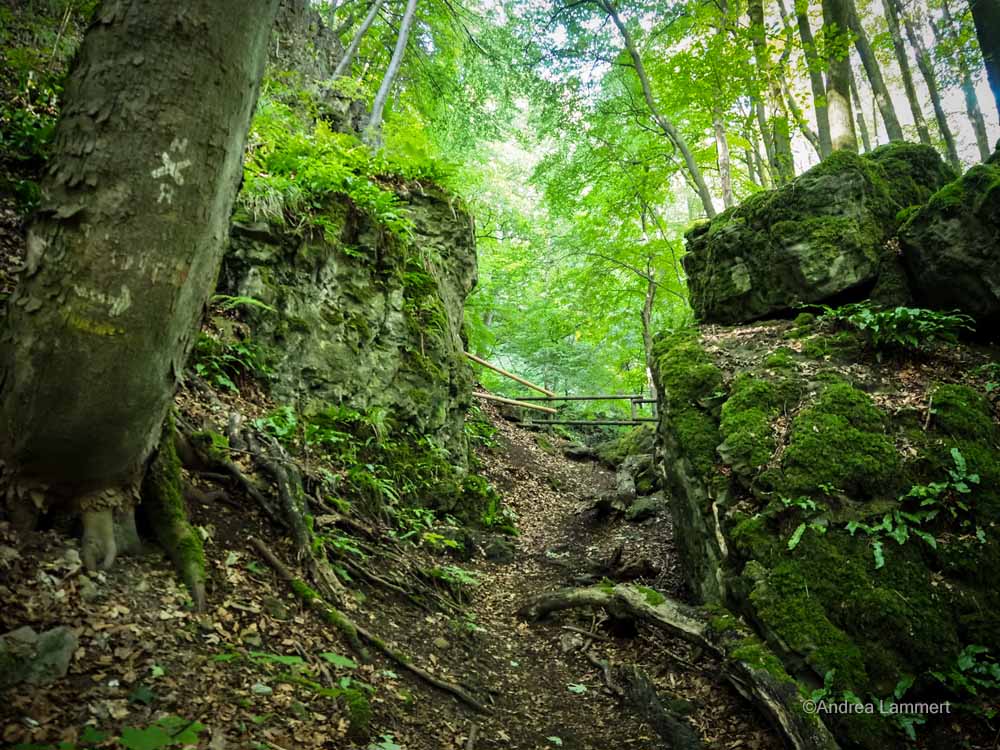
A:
[838,79]
[344,66]
[903,60]
[860,114]
[926,67]
[816,81]
[661,120]
[373,128]
[783,166]
[874,73]
[972,107]
[722,151]
[986,17]
[786,90]
[124,252]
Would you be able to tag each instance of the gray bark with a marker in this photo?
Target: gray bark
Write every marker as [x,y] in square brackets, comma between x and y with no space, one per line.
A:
[125,249]
[874,73]
[352,49]
[816,81]
[968,86]
[722,152]
[903,60]
[986,17]
[926,67]
[373,128]
[860,113]
[783,166]
[661,120]
[838,80]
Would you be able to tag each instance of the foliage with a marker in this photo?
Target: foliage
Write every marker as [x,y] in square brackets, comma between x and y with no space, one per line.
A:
[226,364]
[974,671]
[900,328]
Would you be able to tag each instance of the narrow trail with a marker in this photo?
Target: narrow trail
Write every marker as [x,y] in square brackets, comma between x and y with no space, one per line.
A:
[547,692]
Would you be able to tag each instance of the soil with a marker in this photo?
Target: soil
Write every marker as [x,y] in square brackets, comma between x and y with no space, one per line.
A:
[252,670]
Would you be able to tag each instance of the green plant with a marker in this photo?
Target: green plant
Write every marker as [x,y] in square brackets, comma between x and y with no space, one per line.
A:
[229,302]
[900,328]
[224,364]
[386,742]
[974,671]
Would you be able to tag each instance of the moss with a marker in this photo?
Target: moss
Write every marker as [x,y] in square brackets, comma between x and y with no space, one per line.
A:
[913,172]
[359,713]
[638,440]
[781,359]
[653,597]
[753,403]
[963,412]
[840,442]
[757,656]
[804,319]
[212,446]
[752,537]
[840,345]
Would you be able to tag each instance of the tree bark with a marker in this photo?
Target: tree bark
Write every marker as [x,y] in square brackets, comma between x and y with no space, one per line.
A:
[373,128]
[352,49]
[816,81]
[661,120]
[839,78]
[786,89]
[903,60]
[874,73]
[860,113]
[783,166]
[926,67]
[968,86]
[126,247]
[722,157]
[986,17]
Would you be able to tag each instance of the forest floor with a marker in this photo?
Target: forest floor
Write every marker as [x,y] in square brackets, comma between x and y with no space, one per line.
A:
[259,671]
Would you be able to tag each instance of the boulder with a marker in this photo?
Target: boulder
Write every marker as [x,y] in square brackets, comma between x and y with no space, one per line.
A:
[645,507]
[36,658]
[951,247]
[821,237]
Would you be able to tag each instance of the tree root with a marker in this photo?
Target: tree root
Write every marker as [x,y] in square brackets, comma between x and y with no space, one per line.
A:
[640,692]
[761,680]
[355,633]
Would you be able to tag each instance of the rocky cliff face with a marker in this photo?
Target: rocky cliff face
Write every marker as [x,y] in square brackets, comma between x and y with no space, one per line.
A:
[362,318]
[844,500]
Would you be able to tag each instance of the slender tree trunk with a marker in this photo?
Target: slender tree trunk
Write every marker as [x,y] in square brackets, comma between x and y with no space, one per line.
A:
[986,17]
[860,113]
[783,166]
[761,163]
[372,134]
[926,67]
[748,157]
[839,79]
[816,81]
[903,60]
[800,119]
[722,152]
[665,125]
[345,62]
[124,253]
[968,87]
[765,135]
[874,72]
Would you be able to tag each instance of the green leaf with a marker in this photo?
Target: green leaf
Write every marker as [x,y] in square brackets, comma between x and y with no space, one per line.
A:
[142,694]
[877,552]
[151,738]
[577,688]
[262,657]
[339,661]
[796,537]
[557,741]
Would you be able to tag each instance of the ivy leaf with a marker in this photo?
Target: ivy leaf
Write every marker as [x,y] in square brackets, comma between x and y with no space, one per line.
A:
[796,537]
[577,688]
[877,552]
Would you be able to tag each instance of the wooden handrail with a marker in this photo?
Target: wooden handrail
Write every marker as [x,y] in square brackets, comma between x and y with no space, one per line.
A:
[510,375]
[512,402]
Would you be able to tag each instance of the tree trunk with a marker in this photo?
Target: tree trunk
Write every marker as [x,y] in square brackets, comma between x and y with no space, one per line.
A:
[860,112]
[986,17]
[926,67]
[783,166]
[838,79]
[124,252]
[903,60]
[874,72]
[345,62]
[761,163]
[647,323]
[665,125]
[786,89]
[968,86]
[373,128]
[816,81]
[722,151]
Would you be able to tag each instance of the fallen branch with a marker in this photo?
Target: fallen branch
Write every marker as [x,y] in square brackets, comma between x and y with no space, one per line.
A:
[762,682]
[355,633]
[640,692]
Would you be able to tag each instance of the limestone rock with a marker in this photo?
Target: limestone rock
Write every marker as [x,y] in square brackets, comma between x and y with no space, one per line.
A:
[951,247]
[27,656]
[645,507]
[821,236]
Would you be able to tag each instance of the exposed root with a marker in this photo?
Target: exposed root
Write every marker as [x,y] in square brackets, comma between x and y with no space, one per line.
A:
[762,681]
[355,633]
[98,548]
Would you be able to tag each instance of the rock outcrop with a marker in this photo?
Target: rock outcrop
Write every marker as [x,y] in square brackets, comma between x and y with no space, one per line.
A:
[819,238]
[951,247]
[36,658]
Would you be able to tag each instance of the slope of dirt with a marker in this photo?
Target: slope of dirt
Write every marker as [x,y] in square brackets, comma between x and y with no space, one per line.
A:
[259,671]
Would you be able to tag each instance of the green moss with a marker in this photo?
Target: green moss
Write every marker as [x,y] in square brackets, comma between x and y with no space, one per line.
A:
[781,359]
[653,597]
[212,446]
[913,172]
[757,656]
[963,412]
[840,345]
[748,439]
[804,319]
[753,538]
[359,713]
[638,440]
[840,442]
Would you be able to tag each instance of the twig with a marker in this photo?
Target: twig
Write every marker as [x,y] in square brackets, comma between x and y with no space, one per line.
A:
[605,667]
[470,744]
[584,631]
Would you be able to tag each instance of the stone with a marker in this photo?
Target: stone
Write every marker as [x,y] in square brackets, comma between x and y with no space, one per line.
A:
[27,656]
[820,238]
[500,550]
[88,590]
[441,644]
[646,507]
[580,452]
[951,248]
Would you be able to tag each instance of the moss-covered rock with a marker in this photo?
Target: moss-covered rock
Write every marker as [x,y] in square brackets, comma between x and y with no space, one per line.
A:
[951,247]
[820,236]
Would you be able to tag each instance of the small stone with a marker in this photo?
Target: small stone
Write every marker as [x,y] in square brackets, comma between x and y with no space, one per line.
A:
[88,590]
[259,688]
[441,643]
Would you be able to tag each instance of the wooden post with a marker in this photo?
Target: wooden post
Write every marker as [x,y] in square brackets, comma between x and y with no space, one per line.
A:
[512,402]
[510,375]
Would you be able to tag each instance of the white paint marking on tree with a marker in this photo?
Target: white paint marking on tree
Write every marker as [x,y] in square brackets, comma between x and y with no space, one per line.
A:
[116,303]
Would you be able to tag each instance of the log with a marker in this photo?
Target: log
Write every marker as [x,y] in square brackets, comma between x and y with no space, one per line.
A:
[762,681]
[510,375]
[513,402]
